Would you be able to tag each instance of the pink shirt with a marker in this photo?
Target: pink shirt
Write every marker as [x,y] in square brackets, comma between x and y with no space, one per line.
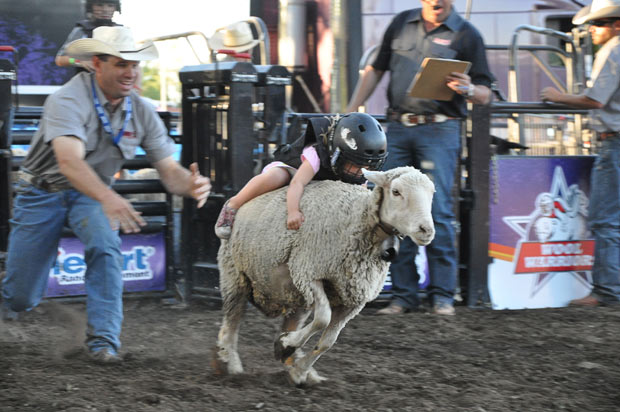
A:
[311,156]
[308,154]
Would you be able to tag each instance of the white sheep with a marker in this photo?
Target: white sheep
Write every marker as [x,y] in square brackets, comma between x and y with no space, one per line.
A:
[330,266]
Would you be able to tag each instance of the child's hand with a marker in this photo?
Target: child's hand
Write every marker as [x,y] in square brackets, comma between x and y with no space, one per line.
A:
[294,220]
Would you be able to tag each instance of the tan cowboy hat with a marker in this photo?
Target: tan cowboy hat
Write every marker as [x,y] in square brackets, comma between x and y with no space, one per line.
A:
[599,9]
[237,37]
[115,41]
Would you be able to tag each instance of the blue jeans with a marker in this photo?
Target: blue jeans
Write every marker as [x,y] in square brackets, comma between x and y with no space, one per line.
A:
[36,228]
[604,221]
[434,149]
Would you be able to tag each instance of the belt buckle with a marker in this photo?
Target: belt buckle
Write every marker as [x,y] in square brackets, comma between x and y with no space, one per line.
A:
[406,118]
[26,177]
[440,118]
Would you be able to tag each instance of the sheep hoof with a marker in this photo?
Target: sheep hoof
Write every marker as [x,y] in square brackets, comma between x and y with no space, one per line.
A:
[219,366]
[282,352]
[305,379]
[224,363]
[314,378]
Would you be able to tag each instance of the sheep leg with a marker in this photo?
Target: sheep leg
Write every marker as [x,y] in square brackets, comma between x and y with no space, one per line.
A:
[234,295]
[300,373]
[288,342]
[291,323]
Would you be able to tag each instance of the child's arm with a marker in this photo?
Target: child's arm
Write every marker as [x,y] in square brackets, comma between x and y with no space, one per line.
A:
[293,196]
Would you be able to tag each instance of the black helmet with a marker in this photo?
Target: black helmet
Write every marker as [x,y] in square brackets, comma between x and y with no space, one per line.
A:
[357,139]
[89,4]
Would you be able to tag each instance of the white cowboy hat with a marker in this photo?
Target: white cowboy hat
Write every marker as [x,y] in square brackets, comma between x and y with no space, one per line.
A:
[599,9]
[237,37]
[115,41]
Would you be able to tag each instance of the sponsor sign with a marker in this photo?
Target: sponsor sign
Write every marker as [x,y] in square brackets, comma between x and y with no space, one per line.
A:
[541,246]
[144,265]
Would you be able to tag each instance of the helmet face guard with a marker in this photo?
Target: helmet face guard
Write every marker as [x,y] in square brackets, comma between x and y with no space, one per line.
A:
[349,166]
[357,141]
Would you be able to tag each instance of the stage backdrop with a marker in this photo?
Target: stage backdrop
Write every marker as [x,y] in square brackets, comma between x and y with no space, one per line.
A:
[37,29]
[541,247]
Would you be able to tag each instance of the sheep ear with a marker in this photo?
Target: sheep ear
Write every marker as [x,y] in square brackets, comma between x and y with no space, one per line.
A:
[378,178]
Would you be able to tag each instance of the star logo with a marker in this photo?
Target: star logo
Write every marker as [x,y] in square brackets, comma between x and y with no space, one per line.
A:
[554,238]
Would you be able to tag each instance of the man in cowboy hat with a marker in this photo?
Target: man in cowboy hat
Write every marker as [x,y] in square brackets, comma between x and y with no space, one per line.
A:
[603,98]
[88,129]
[232,41]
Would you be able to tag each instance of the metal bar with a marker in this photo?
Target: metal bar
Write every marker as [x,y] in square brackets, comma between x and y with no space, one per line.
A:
[184,35]
[478,178]
[139,186]
[547,70]
[534,108]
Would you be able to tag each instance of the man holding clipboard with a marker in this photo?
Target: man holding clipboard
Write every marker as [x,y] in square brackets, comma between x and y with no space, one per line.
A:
[424,131]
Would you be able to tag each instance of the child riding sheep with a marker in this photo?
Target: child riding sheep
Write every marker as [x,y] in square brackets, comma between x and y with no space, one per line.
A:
[332,148]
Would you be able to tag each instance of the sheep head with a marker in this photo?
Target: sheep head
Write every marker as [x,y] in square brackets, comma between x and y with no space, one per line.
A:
[407,201]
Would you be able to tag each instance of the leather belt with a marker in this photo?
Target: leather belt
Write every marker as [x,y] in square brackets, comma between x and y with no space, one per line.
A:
[608,135]
[412,119]
[40,183]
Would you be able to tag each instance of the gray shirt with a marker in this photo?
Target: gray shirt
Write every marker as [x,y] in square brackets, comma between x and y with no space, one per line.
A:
[606,87]
[71,112]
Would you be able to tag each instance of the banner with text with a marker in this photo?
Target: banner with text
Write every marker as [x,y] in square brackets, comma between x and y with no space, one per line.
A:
[144,265]
[542,248]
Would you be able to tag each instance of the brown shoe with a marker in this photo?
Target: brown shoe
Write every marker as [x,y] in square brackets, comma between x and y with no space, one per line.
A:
[589,300]
[445,309]
[392,309]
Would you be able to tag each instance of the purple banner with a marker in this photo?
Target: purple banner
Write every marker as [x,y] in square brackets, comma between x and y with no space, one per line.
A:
[144,265]
[539,237]
[37,31]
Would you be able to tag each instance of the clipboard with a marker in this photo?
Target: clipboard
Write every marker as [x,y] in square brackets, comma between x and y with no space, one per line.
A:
[430,81]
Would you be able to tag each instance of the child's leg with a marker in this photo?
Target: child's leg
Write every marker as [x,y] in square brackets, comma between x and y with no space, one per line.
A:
[272,179]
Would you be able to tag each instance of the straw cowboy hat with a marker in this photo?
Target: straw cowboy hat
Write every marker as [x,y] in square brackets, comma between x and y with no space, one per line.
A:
[599,9]
[115,41]
[237,37]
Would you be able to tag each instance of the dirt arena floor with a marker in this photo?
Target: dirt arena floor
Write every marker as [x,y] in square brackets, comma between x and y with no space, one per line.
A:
[480,360]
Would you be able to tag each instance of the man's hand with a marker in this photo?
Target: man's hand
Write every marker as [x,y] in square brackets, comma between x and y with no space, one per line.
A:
[459,82]
[200,185]
[121,214]
[549,94]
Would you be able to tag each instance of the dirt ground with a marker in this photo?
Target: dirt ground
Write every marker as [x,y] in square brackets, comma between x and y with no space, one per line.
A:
[480,360]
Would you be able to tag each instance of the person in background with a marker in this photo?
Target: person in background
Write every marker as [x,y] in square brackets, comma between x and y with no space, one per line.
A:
[233,42]
[602,97]
[88,129]
[426,133]
[98,13]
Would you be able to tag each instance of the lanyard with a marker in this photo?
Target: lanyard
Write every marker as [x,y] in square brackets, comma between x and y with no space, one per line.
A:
[104,119]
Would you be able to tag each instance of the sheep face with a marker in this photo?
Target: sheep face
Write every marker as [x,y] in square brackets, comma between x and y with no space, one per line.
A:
[408,197]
